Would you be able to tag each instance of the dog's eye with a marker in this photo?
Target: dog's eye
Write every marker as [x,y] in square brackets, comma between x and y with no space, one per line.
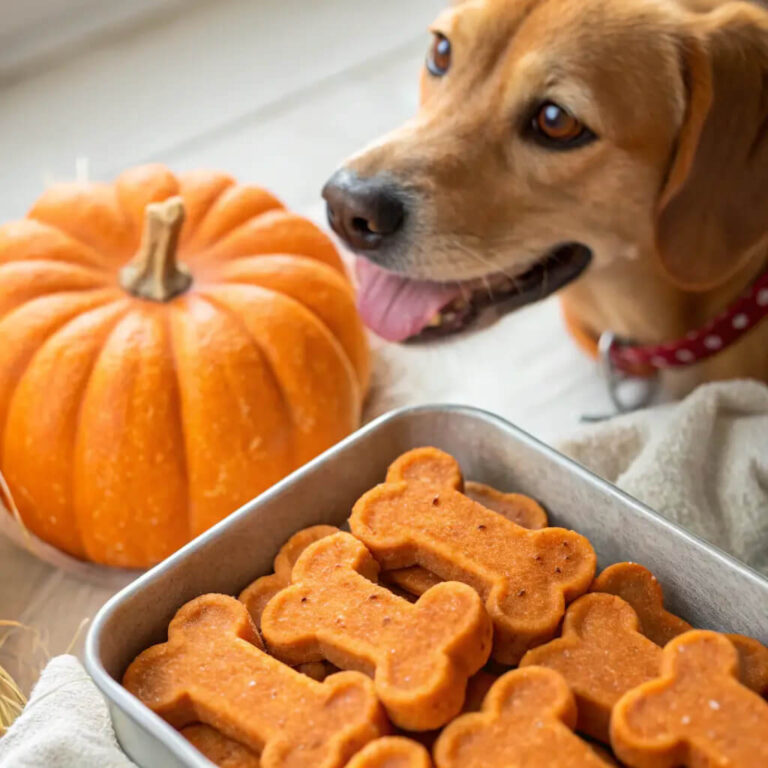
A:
[556,126]
[439,57]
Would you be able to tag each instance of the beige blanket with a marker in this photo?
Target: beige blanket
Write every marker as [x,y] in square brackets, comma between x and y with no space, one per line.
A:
[702,463]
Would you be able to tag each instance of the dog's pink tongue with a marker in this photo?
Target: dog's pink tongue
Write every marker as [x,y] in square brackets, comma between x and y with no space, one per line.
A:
[396,307]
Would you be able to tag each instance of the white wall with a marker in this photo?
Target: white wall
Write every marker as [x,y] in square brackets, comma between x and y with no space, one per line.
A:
[34,33]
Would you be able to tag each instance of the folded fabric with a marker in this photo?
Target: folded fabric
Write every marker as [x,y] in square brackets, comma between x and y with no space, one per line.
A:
[66,724]
[702,463]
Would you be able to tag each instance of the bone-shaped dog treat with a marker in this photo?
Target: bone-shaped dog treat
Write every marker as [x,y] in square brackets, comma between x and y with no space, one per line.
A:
[602,655]
[221,751]
[516,507]
[527,720]
[292,550]
[256,595]
[260,592]
[520,509]
[392,752]
[420,517]
[420,655]
[255,598]
[413,581]
[641,589]
[696,713]
[753,663]
[212,670]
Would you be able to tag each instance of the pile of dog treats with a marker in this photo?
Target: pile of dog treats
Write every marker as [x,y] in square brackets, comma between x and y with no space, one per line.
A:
[472,635]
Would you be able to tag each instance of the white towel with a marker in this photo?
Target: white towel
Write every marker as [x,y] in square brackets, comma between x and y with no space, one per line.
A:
[702,463]
[65,724]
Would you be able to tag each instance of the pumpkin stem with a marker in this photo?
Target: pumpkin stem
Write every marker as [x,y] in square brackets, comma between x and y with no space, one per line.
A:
[154,273]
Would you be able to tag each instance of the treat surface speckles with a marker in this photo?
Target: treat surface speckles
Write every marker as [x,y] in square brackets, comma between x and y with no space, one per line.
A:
[212,670]
[602,655]
[526,578]
[527,720]
[695,713]
[641,589]
[420,655]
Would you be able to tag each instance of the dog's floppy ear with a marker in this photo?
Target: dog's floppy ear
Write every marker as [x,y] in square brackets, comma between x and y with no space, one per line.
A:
[714,207]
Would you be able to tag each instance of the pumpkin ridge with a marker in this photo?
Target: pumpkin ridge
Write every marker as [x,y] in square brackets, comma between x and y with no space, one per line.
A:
[76,539]
[332,341]
[144,330]
[78,421]
[103,207]
[266,223]
[230,313]
[171,347]
[304,268]
[192,230]
[109,296]
[99,274]
[16,269]
[208,240]
[95,260]
[285,296]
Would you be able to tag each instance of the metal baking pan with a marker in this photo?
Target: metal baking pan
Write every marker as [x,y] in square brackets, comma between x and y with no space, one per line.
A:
[701,583]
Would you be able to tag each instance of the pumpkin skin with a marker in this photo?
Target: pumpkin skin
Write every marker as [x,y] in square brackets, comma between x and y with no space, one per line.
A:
[129,426]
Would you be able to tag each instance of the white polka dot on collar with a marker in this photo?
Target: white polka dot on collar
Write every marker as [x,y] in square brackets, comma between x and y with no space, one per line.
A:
[713,342]
[740,322]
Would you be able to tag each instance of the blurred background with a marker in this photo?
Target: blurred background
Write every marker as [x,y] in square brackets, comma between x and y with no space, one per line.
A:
[273,91]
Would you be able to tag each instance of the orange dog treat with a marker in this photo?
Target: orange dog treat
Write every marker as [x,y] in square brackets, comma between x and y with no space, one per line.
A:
[753,663]
[641,589]
[696,713]
[602,655]
[516,507]
[420,655]
[414,580]
[256,596]
[220,750]
[212,670]
[527,720]
[392,752]
[260,592]
[291,551]
[419,517]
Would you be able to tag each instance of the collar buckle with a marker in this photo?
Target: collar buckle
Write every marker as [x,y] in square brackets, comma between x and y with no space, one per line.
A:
[628,393]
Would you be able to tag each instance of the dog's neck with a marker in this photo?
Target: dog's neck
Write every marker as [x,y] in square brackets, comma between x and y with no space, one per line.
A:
[648,309]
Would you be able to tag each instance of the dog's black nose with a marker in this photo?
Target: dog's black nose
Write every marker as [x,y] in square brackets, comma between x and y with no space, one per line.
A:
[364,212]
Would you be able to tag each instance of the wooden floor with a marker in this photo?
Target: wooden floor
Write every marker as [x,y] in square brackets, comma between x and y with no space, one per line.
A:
[276,92]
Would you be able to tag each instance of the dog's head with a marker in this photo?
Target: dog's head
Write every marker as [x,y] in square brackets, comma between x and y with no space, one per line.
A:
[556,137]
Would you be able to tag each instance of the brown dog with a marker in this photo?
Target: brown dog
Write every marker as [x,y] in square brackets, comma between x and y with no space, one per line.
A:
[614,149]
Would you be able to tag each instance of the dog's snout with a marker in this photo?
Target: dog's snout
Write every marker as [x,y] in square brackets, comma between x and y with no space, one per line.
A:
[366,213]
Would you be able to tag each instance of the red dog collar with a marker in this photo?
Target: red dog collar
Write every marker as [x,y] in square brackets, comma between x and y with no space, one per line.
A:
[646,360]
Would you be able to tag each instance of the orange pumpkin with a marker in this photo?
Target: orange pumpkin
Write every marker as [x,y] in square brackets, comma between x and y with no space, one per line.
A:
[171,347]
